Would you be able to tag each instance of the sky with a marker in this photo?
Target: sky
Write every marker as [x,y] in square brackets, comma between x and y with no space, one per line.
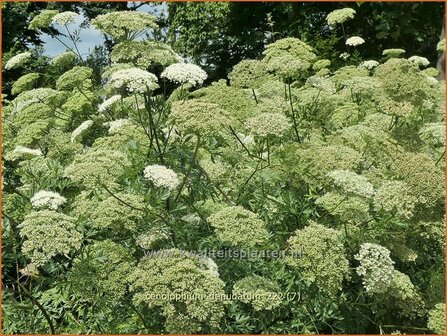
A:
[89,37]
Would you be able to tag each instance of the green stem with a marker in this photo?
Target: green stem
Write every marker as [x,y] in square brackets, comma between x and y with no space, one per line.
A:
[188,172]
[295,124]
[120,200]
[41,308]
[254,95]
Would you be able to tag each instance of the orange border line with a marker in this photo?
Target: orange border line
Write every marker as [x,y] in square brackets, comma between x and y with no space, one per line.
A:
[1,166]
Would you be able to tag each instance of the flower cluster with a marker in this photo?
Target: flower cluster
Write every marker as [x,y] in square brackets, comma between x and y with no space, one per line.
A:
[47,234]
[395,196]
[340,16]
[268,124]
[161,176]
[393,52]
[118,212]
[156,281]
[257,291]
[80,129]
[376,267]
[24,83]
[42,20]
[64,18]
[97,167]
[106,104]
[117,125]
[18,60]
[371,64]
[24,152]
[77,77]
[134,79]
[354,41]
[248,74]
[352,209]
[125,25]
[433,134]
[200,117]
[321,257]
[47,200]
[424,178]
[352,183]
[64,60]
[103,273]
[420,61]
[436,319]
[144,54]
[182,73]
[238,226]
[290,47]
[405,296]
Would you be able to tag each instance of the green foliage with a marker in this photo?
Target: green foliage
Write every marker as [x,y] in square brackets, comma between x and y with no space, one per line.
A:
[304,196]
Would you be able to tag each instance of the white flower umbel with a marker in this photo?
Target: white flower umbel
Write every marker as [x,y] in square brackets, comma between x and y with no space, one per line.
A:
[369,64]
[161,176]
[182,73]
[135,79]
[344,56]
[352,183]
[80,129]
[20,151]
[210,265]
[117,125]
[376,267]
[47,200]
[354,41]
[65,18]
[340,16]
[109,102]
[420,61]
[17,60]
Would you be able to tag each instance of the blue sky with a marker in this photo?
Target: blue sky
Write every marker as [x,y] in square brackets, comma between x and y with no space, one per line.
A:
[90,37]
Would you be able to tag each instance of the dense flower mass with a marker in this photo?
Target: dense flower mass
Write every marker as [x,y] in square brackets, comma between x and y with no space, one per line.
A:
[259,292]
[297,193]
[350,182]
[421,61]
[156,280]
[109,103]
[80,129]
[182,73]
[64,18]
[369,64]
[265,124]
[340,16]
[318,253]
[47,234]
[354,41]
[47,199]
[17,60]
[124,24]
[376,267]
[238,226]
[161,176]
[134,79]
